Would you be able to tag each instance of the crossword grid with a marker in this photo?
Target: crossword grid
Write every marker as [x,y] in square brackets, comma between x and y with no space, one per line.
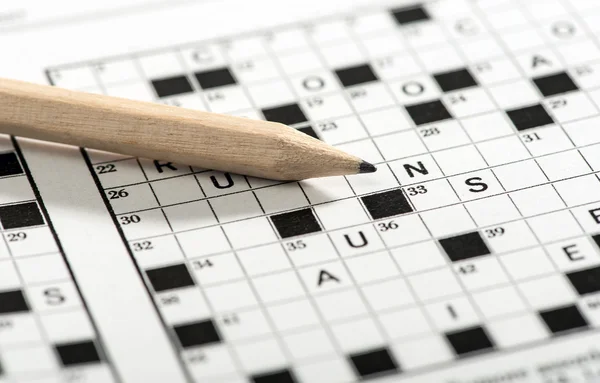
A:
[45,328]
[482,119]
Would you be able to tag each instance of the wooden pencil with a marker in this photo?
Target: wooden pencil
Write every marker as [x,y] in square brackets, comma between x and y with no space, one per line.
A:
[143,129]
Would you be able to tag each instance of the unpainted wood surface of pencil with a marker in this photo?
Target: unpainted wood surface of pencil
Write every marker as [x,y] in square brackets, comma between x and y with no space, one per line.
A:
[143,129]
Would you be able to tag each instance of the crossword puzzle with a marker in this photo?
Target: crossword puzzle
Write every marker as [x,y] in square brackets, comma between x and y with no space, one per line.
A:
[478,234]
[42,315]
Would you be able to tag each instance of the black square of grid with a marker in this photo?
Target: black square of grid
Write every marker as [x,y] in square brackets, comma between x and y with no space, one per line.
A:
[596,239]
[171,86]
[563,319]
[12,302]
[197,333]
[295,223]
[310,131]
[378,361]
[529,117]
[555,84]
[169,277]
[72,354]
[427,112]
[407,15]
[586,281]
[464,246]
[286,114]
[469,340]
[215,78]
[279,376]
[387,204]
[9,165]
[21,215]
[355,75]
[456,79]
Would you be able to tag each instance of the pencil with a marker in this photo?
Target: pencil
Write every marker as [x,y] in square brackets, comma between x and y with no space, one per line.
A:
[143,129]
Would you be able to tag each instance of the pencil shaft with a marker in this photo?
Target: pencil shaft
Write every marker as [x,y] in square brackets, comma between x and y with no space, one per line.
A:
[208,140]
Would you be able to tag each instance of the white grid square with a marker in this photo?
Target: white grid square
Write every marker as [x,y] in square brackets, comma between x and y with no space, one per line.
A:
[294,314]
[430,195]
[503,150]
[192,215]
[577,105]
[448,220]
[250,324]
[418,353]
[278,198]
[338,214]
[554,226]
[452,314]
[583,132]
[341,130]
[177,190]
[537,200]
[249,232]
[260,354]
[516,331]
[499,302]
[443,135]
[539,61]
[579,190]
[547,292]
[372,267]
[275,92]
[476,185]
[592,156]
[364,149]
[416,169]
[231,296]
[492,210]
[400,145]
[384,121]
[520,175]
[309,344]
[496,70]
[264,259]
[515,94]
[563,165]
[234,207]
[319,190]
[459,160]
[489,273]
[405,323]
[510,236]
[379,298]
[574,254]
[217,268]
[278,287]
[358,240]
[324,278]
[340,305]
[357,335]
[445,284]
[527,263]
[467,102]
[200,242]
[419,257]
[333,370]
[487,126]
[551,140]
[482,50]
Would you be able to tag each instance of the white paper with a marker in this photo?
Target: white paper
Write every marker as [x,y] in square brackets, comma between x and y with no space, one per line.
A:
[471,255]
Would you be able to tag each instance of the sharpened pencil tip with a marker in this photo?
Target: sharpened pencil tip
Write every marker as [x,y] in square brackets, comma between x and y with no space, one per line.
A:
[366,167]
